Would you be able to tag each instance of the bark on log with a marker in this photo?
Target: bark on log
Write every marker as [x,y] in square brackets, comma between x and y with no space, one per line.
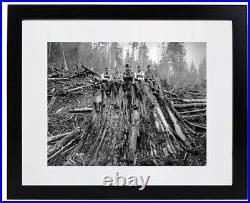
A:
[134,133]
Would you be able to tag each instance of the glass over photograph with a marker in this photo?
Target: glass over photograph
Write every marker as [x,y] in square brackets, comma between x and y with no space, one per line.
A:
[126,103]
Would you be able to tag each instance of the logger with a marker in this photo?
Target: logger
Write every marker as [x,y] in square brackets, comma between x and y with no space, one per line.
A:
[139,81]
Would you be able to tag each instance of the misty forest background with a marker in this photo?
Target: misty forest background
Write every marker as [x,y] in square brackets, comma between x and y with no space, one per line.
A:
[171,66]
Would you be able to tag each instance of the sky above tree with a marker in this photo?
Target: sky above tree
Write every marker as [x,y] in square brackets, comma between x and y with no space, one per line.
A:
[195,51]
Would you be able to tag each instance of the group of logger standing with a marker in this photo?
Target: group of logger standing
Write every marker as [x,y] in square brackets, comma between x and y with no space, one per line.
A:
[128,81]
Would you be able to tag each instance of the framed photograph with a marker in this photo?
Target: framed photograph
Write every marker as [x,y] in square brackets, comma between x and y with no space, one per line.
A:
[127,102]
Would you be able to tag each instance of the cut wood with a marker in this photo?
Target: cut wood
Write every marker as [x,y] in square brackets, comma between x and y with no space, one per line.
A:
[195,100]
[90,71]
[61,149]
[57,79]
[57,137]
[195,93]
[170,93]
[79,88]
[81,110]
[190,100]
[198,126]
[52,101]
[193,111]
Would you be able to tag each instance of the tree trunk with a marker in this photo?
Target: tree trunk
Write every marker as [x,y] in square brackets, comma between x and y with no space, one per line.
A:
[49,49]
[64,59]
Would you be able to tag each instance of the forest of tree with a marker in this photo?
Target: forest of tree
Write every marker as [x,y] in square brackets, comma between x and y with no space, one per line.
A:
[172,66]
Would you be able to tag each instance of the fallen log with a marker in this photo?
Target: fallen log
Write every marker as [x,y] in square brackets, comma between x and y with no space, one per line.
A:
[198,126]
[195,93]
[193,105]
[57,79]
[90,71]
[191,100]
[170,93]
[193,116]
[64,147]
[57,137]
[79,88]
[81,110]
[193,111]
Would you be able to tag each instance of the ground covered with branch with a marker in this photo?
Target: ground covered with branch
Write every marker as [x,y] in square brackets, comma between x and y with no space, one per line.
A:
[165,129]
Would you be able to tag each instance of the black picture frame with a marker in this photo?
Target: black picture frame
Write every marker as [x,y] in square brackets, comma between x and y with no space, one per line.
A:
[17,13]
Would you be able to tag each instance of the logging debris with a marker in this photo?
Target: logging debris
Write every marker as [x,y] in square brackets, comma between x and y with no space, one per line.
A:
[163,129]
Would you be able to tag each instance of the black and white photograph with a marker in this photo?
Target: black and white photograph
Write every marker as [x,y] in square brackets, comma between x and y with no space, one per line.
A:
[126,104]
[135,101]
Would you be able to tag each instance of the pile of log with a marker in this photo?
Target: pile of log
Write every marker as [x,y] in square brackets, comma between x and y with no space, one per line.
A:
[191,106]
[193,111]
[186,93]
[132,129]
[59,75]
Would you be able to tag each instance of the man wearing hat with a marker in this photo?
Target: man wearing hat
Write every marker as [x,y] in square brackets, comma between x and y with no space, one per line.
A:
[106,83]
[139,80]
[150,78]
[128,78]
[116,81]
